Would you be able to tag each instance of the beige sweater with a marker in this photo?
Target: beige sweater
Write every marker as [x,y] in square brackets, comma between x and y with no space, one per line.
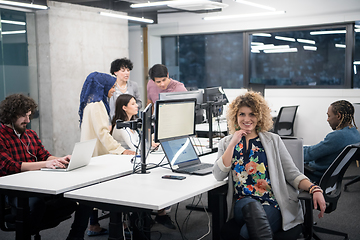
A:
[95,124]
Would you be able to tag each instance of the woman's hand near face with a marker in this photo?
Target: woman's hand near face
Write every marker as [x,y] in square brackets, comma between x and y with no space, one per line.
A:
[227,156]
[237,137]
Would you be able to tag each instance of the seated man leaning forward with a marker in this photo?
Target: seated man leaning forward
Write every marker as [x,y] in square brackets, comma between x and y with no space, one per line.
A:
[21,150]
[320,156]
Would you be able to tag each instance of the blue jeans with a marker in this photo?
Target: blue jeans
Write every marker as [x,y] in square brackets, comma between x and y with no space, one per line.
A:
[273,215]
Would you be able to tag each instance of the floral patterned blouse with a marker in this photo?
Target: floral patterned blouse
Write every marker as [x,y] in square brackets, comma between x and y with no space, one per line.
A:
[250,172]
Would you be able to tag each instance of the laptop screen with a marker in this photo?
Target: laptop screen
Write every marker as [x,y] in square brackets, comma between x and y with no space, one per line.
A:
[179,152]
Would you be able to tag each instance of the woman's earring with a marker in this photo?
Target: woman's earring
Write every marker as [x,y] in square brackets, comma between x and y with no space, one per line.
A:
[237,128]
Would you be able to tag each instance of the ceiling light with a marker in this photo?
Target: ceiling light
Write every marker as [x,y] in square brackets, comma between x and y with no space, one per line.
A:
[243,15]
[357,30]
[356,62]
[26,5]
[285,38]
[262,47]
[328,32]
[178,3]
[262,34]
[357,26]
[280,50]
[257,43]
[340,45]
[355,71]
[255,51]
[256,5]
[13,32]
[310,48]
[13,22]
[269,46]
[305,41]
[145,20]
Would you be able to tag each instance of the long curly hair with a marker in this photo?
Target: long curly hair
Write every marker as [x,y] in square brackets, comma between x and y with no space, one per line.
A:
[15,106]
[259,107]
[346,111]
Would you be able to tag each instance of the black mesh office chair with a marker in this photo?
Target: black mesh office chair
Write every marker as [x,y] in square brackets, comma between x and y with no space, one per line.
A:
[357,122]
[331,184]
[284,124]
[53,216]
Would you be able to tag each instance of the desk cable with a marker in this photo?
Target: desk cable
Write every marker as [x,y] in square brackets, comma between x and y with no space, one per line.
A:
[186,221]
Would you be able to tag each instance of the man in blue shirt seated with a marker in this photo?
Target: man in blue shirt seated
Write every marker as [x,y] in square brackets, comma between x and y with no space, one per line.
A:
[320,156]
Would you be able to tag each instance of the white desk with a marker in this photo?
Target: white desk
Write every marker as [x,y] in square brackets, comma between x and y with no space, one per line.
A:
[100,169]
[146,192]
[36,183]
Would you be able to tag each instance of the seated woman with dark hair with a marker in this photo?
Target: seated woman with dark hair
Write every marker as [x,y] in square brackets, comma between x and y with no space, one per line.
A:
[126,109]
[250,157]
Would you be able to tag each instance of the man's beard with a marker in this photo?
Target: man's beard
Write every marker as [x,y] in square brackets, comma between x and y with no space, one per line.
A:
[20,128]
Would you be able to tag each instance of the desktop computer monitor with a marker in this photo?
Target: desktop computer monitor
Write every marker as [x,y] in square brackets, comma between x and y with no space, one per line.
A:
[146,137]
[174,118]
[198,94]
[216,96]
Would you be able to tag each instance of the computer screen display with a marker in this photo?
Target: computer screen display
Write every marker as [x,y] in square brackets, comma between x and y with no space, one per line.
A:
[174,119]
[198,94]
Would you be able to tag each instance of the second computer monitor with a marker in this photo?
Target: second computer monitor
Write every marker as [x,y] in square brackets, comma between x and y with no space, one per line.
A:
[198,94]
[174,119]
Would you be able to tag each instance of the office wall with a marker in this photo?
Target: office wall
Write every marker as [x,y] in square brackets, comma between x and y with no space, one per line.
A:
[72,41]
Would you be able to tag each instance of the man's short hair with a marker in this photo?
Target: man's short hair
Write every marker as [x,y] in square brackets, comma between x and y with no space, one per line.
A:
[15,106]
[118,64]
[158,71]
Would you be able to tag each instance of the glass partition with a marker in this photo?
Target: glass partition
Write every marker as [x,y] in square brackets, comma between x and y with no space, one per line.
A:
[18,63]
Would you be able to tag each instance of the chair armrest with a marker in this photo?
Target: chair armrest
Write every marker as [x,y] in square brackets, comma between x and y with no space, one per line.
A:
[305,196]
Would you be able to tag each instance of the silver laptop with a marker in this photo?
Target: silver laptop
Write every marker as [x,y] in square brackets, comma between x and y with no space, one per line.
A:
[183,158]
[80,157]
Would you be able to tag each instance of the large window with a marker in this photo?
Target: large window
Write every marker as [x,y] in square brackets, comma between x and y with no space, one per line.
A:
[314,57]
[206,60]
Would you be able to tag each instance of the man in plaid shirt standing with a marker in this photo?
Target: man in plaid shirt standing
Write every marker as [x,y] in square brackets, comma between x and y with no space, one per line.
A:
[21,150]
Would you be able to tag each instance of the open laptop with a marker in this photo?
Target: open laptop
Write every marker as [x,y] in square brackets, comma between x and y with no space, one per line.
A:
[80,157]
[183,158]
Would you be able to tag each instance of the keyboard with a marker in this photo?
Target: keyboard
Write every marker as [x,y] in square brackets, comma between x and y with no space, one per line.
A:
[199,167]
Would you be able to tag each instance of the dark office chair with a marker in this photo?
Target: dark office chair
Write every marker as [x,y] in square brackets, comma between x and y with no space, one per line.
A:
[53,216]
[331,184]
[357,122]
[284,123]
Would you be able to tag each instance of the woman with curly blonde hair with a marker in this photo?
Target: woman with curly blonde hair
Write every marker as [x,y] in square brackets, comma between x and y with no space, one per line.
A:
[250,157]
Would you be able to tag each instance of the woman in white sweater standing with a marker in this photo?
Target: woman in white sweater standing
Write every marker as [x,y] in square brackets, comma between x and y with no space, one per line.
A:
[250,157]
[94,123]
